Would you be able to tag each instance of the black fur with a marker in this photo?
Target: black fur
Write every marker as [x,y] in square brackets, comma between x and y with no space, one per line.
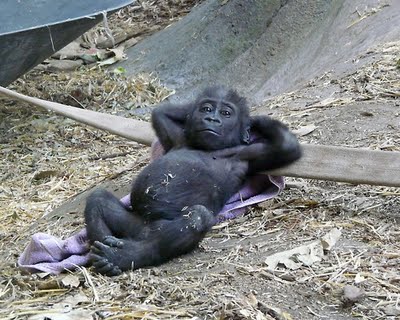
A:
[176,198]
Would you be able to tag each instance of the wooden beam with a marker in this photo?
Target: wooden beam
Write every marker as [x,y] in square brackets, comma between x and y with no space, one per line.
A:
[357,166]
[139,131]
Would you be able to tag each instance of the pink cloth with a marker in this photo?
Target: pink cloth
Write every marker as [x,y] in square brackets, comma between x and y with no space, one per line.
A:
[46,253]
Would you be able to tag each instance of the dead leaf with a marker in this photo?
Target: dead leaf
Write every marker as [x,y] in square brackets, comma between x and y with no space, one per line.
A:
[293,259]
[108,61]
[119,52]
[118,56]
[70,280]
[329,240]
[305,130]
[358,278]
[304,255]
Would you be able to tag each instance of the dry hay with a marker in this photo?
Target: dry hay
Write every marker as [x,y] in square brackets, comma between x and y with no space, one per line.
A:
[372,89]
[46,159]
[369,216]
[139,20]
[376,80]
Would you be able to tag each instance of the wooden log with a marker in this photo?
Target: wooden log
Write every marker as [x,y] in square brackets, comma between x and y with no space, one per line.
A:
[139,131]
[356,166]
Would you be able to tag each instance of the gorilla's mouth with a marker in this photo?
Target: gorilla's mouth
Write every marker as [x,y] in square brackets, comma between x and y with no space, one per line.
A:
[210,131]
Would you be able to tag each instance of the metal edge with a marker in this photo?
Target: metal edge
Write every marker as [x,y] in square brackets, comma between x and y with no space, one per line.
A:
[91,16]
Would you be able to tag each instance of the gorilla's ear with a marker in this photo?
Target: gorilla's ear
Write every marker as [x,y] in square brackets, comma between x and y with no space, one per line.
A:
[246,135]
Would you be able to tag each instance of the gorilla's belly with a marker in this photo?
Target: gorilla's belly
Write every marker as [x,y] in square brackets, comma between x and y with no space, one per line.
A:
[175,182]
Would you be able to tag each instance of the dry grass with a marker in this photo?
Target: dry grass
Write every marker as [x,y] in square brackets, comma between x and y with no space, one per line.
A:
[46,159]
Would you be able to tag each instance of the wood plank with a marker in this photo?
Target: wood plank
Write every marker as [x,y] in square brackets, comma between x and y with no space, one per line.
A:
[139,131]
[357,166]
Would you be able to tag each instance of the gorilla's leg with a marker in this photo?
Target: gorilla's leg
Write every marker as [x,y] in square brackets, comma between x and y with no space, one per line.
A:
[185,233]
[165,239]
[106,216]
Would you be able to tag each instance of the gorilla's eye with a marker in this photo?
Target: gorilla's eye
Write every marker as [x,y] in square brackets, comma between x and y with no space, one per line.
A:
[226,113]
[206,107]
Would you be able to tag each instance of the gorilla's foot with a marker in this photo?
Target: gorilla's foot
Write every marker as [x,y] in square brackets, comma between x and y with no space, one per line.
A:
[106,254]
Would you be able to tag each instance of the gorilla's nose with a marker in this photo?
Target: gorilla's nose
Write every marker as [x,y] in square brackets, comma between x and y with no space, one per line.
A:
[212,119]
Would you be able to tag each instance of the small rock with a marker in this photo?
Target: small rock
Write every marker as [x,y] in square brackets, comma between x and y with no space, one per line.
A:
[351,295]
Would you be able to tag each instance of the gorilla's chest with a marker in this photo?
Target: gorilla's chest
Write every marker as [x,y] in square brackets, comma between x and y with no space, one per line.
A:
[194,168]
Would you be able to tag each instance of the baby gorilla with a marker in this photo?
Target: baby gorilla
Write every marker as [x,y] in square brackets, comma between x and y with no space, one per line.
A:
[176,198]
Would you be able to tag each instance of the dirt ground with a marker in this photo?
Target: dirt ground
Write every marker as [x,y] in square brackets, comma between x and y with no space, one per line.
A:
[48,163]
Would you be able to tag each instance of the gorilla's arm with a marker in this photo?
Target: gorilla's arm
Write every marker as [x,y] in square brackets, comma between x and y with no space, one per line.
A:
[274,146]
[168,121]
